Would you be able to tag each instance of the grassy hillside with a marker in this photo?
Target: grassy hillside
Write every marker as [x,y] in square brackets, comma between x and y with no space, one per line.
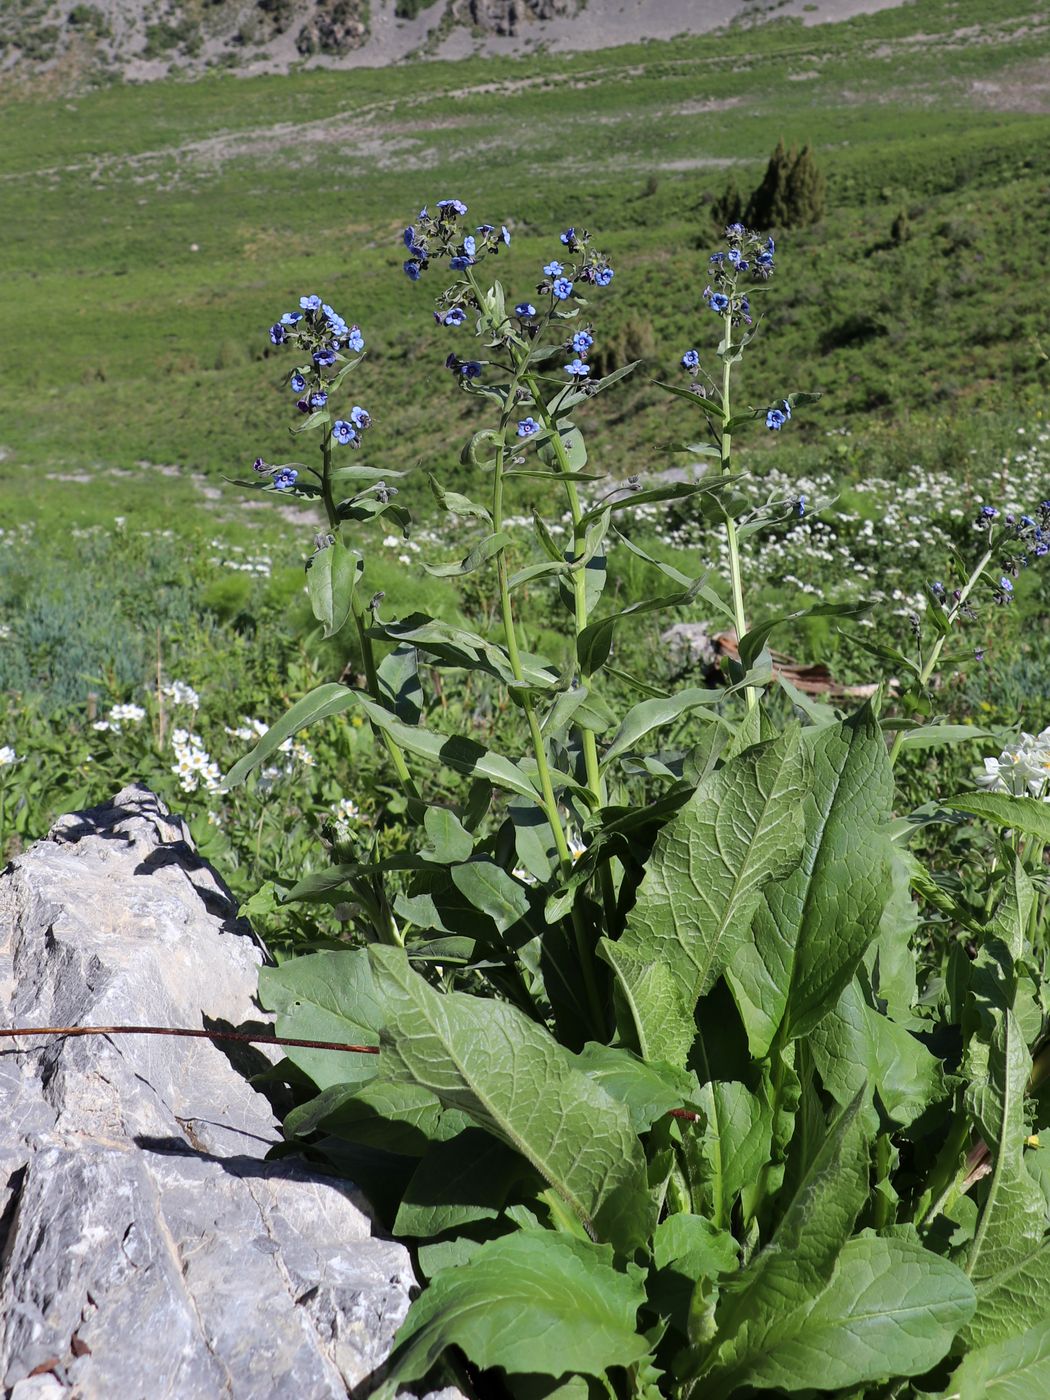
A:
[153,233]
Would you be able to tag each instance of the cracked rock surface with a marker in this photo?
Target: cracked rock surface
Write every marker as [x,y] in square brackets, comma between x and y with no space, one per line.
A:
[147,1249]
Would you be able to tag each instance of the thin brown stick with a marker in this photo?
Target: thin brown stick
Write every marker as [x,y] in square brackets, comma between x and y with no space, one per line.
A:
[194,1035]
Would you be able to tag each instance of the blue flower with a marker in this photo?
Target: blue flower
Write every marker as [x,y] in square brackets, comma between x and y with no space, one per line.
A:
[360,417]
[1006,585]
[734,256]
[989,512]
[310,303]
[459,263]
[284,477]
[718,302]
[717,258]
[470,247]
[297,382]
[734,230]
[356,340]
[454,317]
[409,236]
[800,507]
[569,237]
[470,369]
[775,420]
[455,204]
[319,399]
[504,233]
[562,288]
[527,426]
[291,317]
[485,229]
[303,405]
[603,276]
[553,268]
[343,431]
[786,407]
[578,369]
[691,359]
[278,334]
[412,270]
[261,466]
[770,245]
[324,356]
[582,342]
[765,259]
[524,308]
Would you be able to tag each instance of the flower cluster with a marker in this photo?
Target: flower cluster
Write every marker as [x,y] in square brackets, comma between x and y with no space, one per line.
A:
[323,337]
[179,693]
[193,766]
[1016,538]
[441,235]
[345,813]
[746,254]
[1023,770]
[118,716]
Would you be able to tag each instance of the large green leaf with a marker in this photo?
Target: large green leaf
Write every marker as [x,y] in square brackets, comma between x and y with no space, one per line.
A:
[651,1013]
[326,700]
[466,1179]
[331,578]
[528,1302]
[1009,1258]
[513,1079]
[812,928]
[649,1091]
[1016,1369]
[799,1260]
[891,1309]
[326,996]
[855,1044]
[738,1129]
[740,829]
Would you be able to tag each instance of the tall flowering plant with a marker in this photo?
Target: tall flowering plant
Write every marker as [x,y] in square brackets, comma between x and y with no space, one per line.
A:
[670,1088]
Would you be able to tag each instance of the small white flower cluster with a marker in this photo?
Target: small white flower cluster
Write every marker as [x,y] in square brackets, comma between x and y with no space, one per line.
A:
[261,564]
[8,756]
[193,766]
[5,631]
[1023,771]
[345,811]
[118,716]
[179,693]
[395,542]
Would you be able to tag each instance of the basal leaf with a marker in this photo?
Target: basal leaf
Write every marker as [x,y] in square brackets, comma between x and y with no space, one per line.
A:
[741,829]
[812,927]
[649,1091]
[891,1309]
[326,996]
[1016,1369]
[651,1011]
[737,1134]
[528,1302]
[512,1078]
[460,1181]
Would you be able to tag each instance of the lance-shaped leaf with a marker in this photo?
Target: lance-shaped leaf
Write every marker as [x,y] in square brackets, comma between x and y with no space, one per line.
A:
[812,927]
[1009,1258]
[738,1128]
[1015,1369]
[648,715]
[892,1309]
[331,578]
[326,700]
[797,1264]
[513,1079]
[1027,814]
[740,829]
[533,1302]
[651,1013]
[752,642]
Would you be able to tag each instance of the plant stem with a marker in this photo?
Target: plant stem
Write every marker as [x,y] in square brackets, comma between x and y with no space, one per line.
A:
[581,617]
[735,573]
[938,646]
[550,801]
[393,748]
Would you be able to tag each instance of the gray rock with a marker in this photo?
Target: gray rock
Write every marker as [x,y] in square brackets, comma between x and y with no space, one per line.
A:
[148,1249]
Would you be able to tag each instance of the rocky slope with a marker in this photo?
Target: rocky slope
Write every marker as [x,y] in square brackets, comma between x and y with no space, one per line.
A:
[63,44]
